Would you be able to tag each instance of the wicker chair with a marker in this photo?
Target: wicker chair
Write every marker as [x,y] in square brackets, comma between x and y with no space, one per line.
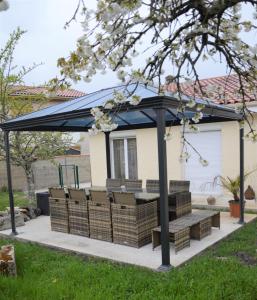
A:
[113,184]
[179,186]
[77,194]
[133,185]
[100,221]
[152,186]
[124,198]
[132,222]
[58,205]
[56,192]
[78,212]
[99,196]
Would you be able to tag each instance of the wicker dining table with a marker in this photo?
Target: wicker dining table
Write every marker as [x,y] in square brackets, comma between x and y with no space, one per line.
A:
[140,196]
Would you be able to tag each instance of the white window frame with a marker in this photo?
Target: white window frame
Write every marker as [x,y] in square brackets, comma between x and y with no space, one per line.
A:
[121,136]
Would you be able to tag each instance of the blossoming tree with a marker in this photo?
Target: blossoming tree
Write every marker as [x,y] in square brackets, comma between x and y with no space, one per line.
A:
[25,147]
[171,34]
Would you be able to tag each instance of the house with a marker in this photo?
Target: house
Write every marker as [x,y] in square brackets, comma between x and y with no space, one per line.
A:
[134,152]
[51,98]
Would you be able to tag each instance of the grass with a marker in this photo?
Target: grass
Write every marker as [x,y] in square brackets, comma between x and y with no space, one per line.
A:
[216,274]
[19,200]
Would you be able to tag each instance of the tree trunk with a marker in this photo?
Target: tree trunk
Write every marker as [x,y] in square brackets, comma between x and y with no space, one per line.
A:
[30,184]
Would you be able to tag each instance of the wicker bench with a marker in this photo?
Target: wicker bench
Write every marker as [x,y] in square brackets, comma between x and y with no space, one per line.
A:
[179,235]
[200,225]
[214,215]
[197,225]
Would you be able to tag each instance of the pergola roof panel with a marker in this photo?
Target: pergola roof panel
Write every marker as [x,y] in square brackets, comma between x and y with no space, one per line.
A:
[75,115]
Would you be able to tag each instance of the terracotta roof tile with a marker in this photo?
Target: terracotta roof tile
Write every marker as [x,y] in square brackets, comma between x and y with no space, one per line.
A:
[31,90]
[229,87]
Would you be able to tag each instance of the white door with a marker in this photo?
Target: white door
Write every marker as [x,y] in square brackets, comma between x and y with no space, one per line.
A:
[208,143]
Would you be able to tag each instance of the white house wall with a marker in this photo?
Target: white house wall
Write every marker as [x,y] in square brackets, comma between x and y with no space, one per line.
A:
[148,159]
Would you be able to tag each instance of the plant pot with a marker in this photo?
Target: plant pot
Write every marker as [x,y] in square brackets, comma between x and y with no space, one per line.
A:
[234,208]
[211,200]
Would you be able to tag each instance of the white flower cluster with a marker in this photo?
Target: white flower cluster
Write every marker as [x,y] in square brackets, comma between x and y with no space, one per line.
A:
[103,122]
[252,136]
[197,117]
[135,100]
[4,5]
[203,162]
[167,136]
[184,156]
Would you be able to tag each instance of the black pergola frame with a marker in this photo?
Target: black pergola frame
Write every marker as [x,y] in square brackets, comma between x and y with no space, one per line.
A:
[160,104]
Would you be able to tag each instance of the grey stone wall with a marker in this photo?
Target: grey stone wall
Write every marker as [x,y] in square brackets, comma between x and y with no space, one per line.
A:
[46,172]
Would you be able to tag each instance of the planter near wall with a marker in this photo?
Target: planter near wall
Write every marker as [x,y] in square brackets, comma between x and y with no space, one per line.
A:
[234,208]
[211,200]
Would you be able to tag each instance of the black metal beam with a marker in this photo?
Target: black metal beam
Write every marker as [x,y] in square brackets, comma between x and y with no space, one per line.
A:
[9,181]
[164,207]
[108,157]
[151,102]
[149,117]
[241,136]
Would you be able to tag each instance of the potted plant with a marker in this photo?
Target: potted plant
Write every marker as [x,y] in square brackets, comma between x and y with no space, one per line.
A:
[232,185]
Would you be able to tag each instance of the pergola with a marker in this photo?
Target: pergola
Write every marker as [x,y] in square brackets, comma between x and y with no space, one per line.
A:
[153,111]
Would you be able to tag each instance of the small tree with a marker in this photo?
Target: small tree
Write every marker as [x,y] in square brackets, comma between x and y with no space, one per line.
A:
[25,147]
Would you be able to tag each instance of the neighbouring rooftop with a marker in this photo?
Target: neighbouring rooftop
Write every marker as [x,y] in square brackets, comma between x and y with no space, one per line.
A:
[227,88]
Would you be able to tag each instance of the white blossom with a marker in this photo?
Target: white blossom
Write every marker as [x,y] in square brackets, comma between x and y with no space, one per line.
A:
[197,117]
[191,103]
[135,100]
[184,156]
[203,162]
[167,136]
[4,5]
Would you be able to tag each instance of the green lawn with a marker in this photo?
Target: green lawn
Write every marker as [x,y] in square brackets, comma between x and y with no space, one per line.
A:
[217,274]
[19,200]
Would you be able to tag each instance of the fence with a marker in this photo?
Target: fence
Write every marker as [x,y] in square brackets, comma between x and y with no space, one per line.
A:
[46,172]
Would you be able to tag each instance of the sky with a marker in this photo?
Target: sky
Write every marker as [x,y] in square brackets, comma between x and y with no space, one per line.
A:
[46,40]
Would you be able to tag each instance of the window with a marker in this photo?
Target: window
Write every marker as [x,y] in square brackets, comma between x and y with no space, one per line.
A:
[124,158]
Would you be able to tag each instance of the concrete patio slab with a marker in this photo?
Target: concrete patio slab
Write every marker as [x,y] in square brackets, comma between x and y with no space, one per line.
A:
[200,202]
[38,230]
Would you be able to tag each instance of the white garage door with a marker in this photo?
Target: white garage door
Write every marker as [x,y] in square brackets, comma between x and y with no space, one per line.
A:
[208,143]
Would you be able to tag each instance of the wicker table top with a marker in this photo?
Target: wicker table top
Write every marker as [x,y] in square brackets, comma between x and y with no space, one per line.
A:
[173,228]
[190,219]
[146,196]
[207,213]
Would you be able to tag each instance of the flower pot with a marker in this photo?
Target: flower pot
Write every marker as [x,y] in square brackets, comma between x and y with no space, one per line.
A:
[234,208]
[211,200]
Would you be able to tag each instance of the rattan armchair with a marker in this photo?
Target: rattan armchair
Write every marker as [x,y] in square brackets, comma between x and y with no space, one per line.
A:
[124,198]
[57,192]
[152,186]
[133,185]
[132,222]
[113,184]
[78,212]
[100,222]
[99,196]
[179,186]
